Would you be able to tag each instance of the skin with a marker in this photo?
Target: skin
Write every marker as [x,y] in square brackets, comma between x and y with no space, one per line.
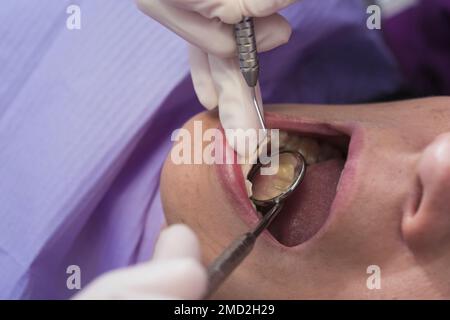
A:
[396,214]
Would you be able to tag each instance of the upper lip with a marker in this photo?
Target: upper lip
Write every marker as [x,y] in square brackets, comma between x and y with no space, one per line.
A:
[233,182]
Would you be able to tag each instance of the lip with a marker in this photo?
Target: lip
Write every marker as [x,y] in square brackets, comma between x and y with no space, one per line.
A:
[233,183]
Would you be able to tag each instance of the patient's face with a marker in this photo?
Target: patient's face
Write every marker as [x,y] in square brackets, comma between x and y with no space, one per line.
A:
[390,165]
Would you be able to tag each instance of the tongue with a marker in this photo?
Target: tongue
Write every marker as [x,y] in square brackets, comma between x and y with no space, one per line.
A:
[306,210]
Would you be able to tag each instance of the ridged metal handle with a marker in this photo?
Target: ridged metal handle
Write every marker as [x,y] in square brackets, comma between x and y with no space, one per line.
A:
[235,253]
[229,260]
[248,55]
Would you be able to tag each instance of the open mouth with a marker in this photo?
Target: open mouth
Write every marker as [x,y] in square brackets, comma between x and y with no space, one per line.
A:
[307,209]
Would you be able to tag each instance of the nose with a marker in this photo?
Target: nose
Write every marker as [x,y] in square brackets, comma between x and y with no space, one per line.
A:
[428,224]
[434,174]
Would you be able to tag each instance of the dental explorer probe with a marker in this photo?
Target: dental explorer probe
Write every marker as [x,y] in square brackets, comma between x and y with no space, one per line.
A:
[244,32]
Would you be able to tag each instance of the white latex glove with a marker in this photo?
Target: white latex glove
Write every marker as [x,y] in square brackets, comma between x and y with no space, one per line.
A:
[206,25]
[175,272]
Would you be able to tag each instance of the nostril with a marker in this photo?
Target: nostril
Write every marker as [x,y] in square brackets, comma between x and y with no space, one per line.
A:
[415,197]
[426,223]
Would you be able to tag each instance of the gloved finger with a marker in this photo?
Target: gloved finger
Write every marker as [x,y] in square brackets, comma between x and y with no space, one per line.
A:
[212,35]
[177,241]
[232,11]
[183,278]
[200,69]
[236,109]
[144,296]
[201,78]
[263,8]
[94,293]
[271,32]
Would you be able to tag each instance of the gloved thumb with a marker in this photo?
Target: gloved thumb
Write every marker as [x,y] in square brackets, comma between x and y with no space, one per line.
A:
[175,272]
[263,8]
[236,107]
[176,242]
[232,11]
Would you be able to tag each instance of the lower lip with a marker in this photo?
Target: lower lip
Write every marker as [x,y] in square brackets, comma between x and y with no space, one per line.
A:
[233,182]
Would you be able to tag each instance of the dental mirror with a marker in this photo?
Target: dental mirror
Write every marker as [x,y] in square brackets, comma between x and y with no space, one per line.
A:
[268,190]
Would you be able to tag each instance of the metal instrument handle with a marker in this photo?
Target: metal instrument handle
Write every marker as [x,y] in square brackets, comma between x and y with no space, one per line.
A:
[236,252]
[248,56]
[230,258]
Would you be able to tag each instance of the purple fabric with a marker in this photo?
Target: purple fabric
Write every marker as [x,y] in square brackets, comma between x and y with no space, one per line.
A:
[420,39]
[74,108]
[86,118]
[331,58]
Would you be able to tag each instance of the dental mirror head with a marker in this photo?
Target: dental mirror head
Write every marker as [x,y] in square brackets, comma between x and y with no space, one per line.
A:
[272,189]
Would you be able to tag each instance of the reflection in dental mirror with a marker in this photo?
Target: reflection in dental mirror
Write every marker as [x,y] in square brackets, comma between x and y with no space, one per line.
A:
[269,189]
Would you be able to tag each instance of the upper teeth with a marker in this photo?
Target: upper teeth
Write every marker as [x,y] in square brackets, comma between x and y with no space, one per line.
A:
[328,152]
[311,149]
[308,147]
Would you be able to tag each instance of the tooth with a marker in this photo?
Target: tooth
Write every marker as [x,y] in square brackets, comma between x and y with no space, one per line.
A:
[310,149]
[286,171]
[293,142]
[248,187]
[328,152]
[270,186]
[284,137]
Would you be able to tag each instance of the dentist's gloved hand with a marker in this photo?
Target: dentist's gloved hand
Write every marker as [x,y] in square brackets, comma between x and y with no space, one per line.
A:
[207,26]
[175,272]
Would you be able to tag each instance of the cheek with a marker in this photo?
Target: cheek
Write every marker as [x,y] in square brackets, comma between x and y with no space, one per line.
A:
[180,192]
[369,225]
[191,194]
